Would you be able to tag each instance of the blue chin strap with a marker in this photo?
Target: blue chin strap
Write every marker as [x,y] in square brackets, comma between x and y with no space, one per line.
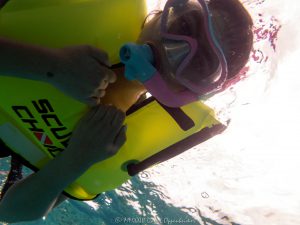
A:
[138,60]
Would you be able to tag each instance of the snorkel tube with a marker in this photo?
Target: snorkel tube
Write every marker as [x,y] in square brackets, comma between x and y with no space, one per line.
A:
[138,60]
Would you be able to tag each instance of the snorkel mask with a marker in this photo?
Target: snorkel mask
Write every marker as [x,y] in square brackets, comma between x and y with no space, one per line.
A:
[182,52]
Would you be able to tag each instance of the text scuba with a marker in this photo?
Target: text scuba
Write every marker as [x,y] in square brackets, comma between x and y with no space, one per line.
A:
[48,117]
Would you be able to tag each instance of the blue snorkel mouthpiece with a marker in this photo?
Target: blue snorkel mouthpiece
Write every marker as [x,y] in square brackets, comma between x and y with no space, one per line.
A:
[138,60]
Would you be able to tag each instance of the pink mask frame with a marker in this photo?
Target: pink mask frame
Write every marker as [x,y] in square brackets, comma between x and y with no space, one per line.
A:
[157,85]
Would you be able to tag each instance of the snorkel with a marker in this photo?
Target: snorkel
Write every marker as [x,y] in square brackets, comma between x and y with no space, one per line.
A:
[180,50]
[138,60]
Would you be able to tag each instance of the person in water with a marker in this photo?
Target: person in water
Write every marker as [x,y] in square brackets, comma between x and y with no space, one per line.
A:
[192,55]
[195,54]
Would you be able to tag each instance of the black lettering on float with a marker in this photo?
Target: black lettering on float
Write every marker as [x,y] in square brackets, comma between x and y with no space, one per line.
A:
[48,117]
[46,111]
[20,110]
[53,150]
[33,127]
[43,106]
[57,132]
[65,143]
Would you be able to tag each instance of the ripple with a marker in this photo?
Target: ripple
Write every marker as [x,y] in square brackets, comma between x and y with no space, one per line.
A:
[204,195]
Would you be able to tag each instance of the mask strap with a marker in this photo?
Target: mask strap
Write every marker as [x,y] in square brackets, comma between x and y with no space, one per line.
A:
[183,120]
[214,42]
[176,149]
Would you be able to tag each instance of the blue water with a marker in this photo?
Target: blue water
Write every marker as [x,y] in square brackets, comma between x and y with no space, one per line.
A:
[136,202]
[249,174]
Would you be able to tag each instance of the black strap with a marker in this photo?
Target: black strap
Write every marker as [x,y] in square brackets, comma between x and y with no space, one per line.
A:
[182,119]
[14,175]
[179,116]
[176,149]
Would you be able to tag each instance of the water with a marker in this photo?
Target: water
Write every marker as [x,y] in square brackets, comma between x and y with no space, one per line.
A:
[249,174]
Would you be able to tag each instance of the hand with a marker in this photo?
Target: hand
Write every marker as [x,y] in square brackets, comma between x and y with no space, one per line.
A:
[98,136]
[83,73]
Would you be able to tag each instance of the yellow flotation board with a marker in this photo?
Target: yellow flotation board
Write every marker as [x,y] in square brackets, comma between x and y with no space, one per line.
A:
[36,119]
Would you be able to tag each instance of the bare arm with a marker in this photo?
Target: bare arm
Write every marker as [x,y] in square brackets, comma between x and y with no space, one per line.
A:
[89,144]
[39,191]
[79,71]
[26,61]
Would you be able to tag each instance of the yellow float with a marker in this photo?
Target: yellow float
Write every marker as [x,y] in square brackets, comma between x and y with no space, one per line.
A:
[36,119]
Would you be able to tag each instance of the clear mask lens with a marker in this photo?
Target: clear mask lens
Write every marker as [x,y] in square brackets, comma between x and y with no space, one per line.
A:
[176,52]
[195,57]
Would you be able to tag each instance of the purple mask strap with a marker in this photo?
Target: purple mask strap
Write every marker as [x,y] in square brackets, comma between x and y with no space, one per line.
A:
[214,43]
[159,89]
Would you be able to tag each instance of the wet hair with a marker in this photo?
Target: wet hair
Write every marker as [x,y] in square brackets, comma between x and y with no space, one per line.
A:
[233,29]
[233,26]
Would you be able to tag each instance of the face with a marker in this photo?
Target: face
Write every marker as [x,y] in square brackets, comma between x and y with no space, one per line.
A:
[190,24]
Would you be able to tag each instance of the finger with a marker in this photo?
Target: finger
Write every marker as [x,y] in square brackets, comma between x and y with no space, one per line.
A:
[112,116]
[91,101]
[89,115]
[98,93]
[95,114]
[120,139]
[101,93]
[118,119]
[113,120]
[103,83]
[102,112]
[106,77]
[94,100]
[104,115]
[100,56]
[110,75]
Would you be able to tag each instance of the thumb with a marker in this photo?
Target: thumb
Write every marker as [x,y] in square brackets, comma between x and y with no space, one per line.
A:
[92,101]
[121,137]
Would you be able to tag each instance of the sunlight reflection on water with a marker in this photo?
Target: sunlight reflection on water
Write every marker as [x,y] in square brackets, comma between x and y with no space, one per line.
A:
[250,171]
[249,174]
